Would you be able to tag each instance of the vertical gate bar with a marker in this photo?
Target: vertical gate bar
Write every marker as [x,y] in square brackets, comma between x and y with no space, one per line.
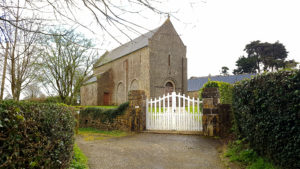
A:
[172,105]
[151,114]
[193,114]
[164,111]
[182,111]
[173,110]
[176,113]
[184,122]
[155,123]
[189,123]
[147,122]
[159,115]
[168,111]
[198,121]
[179,111]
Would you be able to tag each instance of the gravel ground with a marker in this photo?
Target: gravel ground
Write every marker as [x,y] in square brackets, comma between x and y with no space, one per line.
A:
[152,151]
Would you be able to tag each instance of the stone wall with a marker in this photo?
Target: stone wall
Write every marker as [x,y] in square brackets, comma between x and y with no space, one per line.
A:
[134,119]
[120,123]
[168,61]
[193,94]
[217,118]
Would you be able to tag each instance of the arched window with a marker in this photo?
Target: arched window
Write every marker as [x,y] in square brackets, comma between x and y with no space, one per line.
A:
[169,87]
[120,97]
[134,85]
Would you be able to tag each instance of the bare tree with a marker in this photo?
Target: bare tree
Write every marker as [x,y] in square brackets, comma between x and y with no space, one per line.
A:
[21,51]
[66,63]
[105,13]
[32,91]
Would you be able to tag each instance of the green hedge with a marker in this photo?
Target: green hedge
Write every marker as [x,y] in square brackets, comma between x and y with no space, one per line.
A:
[267,114]
[52,99]
[225,90]
[104,114]
[35,135]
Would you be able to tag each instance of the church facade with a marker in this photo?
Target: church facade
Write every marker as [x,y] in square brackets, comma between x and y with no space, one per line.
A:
[154,62]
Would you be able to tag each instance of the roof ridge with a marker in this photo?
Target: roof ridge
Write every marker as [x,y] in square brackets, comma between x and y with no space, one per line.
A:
[222,76]
[126,48]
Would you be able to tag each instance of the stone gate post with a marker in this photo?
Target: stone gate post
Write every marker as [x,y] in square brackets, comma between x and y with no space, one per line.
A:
[137,110]
[210,118]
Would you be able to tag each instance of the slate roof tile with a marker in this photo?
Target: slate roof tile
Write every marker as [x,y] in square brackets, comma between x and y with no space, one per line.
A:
[196,84]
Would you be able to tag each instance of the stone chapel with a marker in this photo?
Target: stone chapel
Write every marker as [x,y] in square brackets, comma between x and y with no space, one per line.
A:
[154,62]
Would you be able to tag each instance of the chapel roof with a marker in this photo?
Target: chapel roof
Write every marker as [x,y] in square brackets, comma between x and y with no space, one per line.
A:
[196,83]
[125,49]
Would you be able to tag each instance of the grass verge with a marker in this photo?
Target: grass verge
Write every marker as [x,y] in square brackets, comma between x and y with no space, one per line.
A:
[90,134]
[103,107]
[79,160]
[240,152]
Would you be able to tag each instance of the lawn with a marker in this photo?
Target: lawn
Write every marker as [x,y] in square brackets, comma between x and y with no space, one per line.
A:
[166,108]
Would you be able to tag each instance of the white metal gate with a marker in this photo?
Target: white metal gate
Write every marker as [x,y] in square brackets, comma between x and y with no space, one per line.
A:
[173,112]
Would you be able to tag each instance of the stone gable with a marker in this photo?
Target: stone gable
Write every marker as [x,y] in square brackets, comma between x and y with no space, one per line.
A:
[157,67]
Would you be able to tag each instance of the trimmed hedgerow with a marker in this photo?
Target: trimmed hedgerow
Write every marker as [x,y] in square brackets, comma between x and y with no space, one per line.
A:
[267,114]
[35,135]
[225,90]
[104,115]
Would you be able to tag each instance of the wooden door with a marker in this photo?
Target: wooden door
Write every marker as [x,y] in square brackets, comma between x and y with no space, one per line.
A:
[169,88]
[106,99]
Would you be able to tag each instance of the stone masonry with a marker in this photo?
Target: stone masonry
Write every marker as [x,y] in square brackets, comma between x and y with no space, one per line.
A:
[210,118]
[217,118]
[134,119]
[158,60]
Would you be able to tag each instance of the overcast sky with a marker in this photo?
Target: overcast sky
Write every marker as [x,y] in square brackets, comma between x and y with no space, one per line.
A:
[216,31]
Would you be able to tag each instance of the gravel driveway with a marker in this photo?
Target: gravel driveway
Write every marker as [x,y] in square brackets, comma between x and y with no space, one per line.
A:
[152,151]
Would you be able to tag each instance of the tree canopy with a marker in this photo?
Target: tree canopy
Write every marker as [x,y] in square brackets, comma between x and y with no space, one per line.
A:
[262,56]
[224,70]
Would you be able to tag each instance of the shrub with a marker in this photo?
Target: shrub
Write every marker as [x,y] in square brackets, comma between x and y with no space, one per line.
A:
[267,114]
[35,135]
[225,90]
[104,115]
[53,99]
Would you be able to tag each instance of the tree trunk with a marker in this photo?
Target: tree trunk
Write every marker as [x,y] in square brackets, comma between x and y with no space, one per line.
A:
[4,71]
[13,61]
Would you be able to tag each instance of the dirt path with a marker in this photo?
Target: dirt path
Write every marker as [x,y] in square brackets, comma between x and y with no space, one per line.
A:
[152,151]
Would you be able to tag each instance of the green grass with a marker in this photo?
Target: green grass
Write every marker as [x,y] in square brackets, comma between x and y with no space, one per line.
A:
[91,134]
[241,153]
[79,161]
[186,108]
[103,107]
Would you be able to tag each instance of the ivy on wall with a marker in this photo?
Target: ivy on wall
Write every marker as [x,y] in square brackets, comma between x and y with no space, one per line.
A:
[104,115]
